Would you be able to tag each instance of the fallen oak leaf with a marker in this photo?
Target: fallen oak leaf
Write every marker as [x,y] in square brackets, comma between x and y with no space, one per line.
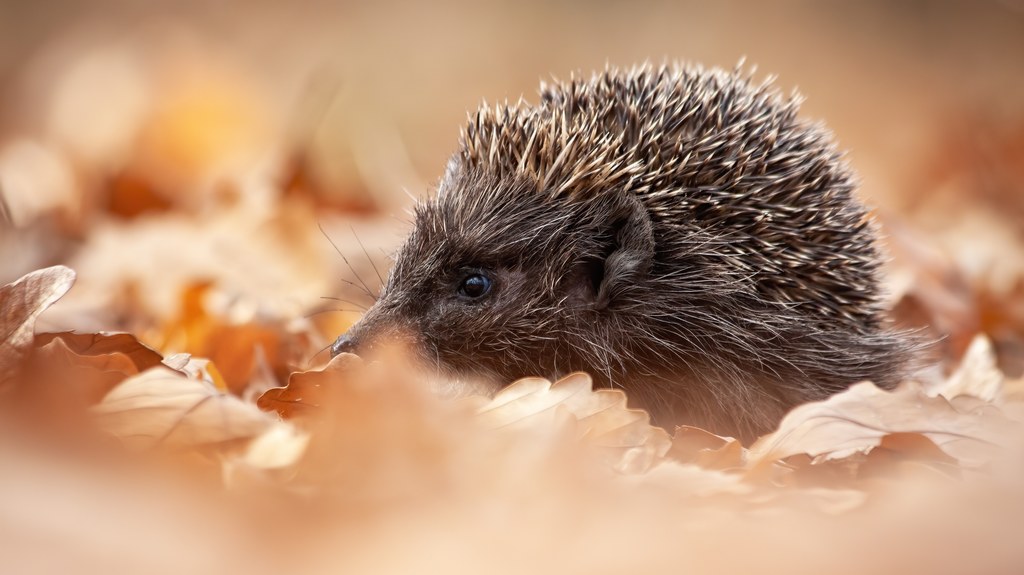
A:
[529,398]
[22,301]
[858,419]
[895,455]
[125,345]
[957,416]
[162,407]
[64,373]
[304,391]
[631,444]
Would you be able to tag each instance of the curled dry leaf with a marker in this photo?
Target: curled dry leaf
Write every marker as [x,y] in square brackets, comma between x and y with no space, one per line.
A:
[86,366]
[164,407]
[625,435]
[22,302]
[305,391]
[105,346]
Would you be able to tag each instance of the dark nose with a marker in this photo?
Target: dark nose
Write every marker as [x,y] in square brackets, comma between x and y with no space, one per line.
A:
[344,344]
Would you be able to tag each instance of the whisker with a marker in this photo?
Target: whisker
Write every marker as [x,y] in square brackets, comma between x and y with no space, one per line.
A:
[335,310]
[309,362]
[342,300]
[355,285]
[367,254]
[349,264]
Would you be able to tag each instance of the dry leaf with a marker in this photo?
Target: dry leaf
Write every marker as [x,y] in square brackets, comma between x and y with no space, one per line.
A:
[161,407]
[858,419]
[141,356]
[625,435]
[304,391]
[68,373]
[179,187]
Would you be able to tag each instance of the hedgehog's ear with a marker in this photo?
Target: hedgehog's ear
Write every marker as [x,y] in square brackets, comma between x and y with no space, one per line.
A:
[628,255]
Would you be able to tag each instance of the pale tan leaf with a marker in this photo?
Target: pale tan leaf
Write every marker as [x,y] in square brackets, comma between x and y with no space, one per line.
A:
[163,407]
[530,397]
[625,435]
[857,420]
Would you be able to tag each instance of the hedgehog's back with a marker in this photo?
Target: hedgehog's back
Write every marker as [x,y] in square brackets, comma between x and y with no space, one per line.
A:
[722,164]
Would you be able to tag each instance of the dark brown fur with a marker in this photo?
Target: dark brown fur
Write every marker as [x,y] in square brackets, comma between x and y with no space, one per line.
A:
[676,232]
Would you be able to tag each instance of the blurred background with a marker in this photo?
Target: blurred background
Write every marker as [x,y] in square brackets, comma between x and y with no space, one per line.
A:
[156,146]
[377,91]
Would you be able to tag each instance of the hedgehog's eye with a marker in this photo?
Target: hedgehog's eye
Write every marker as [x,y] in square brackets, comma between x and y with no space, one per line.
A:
[474,286]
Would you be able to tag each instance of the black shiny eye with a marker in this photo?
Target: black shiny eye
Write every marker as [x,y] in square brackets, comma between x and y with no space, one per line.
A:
[475,286]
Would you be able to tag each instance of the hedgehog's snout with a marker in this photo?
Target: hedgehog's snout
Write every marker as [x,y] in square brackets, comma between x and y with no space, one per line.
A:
[375,333]
[344,344]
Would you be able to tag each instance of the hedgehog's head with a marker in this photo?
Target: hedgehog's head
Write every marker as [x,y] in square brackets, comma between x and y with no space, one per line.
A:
[499,279]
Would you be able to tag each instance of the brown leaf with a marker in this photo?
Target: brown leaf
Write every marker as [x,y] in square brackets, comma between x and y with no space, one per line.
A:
[67,372]
[22,302]
[304,391]
[703,448]
[916,446]
[62,374]
[141,356]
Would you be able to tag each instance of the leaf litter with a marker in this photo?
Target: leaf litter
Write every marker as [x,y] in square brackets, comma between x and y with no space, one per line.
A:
[208,431]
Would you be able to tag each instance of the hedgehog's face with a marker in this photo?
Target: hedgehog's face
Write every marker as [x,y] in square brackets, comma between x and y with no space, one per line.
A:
[503,288]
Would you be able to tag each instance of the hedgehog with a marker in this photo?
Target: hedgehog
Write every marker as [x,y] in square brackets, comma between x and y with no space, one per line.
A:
[676,232]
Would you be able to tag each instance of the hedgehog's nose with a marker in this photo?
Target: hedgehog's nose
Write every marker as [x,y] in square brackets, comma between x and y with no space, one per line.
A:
[344,344]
